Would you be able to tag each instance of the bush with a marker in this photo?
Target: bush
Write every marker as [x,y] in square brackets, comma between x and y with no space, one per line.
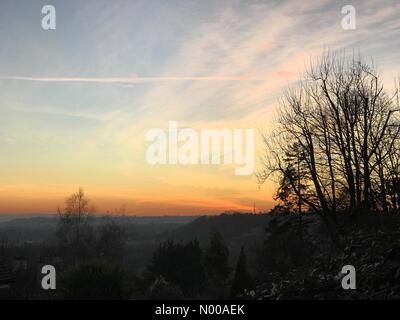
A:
[94,280]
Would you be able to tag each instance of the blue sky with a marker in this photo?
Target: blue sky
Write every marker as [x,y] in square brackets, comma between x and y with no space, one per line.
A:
[77,101]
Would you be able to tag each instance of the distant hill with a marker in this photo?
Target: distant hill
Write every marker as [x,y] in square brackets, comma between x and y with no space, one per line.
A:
[237,229]
[9,217]
[41,228]
[38,219]
[231,226]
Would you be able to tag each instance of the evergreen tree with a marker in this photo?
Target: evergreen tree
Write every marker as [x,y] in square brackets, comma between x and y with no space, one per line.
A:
[242,279]
[180,264]
[164,262]
[216,259]
[293,180]
[191,267]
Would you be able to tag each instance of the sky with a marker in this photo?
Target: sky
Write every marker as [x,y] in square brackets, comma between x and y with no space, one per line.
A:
[76,102]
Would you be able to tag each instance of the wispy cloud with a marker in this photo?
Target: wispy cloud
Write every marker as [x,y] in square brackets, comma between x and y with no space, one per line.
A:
[133,79]
[131,66]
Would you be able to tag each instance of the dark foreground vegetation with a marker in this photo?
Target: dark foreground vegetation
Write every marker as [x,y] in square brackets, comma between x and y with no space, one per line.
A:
[274,256]
[307,264]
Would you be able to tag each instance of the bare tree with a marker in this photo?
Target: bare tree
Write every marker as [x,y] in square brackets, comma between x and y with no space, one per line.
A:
[348,129]
[74,231]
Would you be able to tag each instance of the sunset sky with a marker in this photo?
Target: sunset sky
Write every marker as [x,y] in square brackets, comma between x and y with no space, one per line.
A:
[76,102]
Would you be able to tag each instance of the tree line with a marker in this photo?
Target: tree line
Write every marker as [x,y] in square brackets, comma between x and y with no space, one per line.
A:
[93,260]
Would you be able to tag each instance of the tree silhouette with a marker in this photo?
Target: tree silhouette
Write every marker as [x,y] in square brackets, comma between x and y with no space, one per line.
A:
[192,267]
[348,129]
[216,259]
[242,279]
[164,262]
[74,234]
[111,242]
[294,174]
[178,264]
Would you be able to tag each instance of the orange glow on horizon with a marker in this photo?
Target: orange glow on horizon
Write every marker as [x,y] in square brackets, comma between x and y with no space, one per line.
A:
[30,201]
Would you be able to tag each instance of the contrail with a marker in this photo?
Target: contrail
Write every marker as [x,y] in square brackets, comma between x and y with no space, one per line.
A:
[128,80]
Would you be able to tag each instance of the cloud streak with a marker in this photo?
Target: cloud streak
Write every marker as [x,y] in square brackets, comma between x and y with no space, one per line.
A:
[129,80]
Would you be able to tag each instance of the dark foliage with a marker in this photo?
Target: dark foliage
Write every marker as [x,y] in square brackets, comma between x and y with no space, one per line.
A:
[286,246]
[216,259]
[179,264]
[373,249]
[94,281]
[163,290]
[242,281]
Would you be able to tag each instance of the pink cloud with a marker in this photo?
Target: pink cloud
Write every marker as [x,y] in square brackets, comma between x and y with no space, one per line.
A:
[284,74]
